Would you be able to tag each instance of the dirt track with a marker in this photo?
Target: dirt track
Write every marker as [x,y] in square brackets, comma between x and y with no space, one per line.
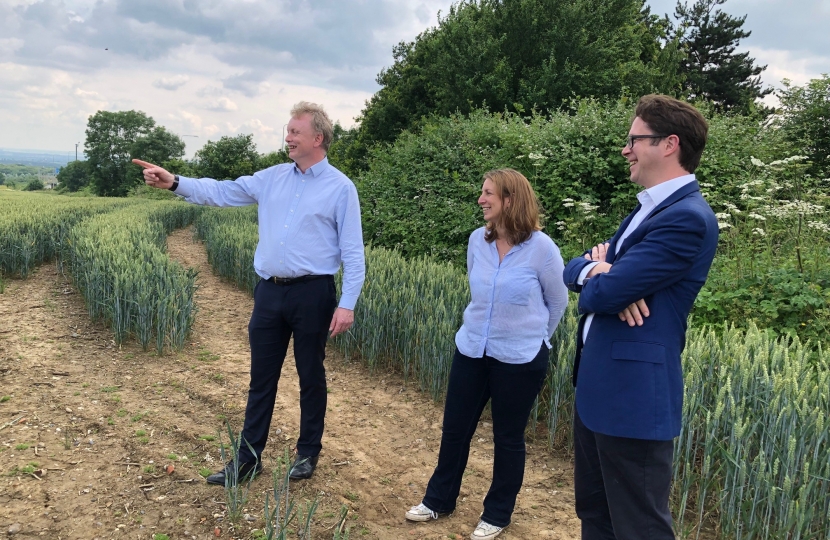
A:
[103,421]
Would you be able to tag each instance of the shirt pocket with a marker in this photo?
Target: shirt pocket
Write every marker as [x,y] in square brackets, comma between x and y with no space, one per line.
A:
[515,285]
[639,351]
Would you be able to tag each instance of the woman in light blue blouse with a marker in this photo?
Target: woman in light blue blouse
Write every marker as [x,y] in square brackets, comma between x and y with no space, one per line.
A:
[518,297]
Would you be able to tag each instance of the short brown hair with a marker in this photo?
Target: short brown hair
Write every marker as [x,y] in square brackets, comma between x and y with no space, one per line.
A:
[521,219]
[320,121]
[669,116]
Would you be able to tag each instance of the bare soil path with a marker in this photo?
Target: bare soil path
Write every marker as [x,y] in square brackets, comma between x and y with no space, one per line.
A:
[89,430]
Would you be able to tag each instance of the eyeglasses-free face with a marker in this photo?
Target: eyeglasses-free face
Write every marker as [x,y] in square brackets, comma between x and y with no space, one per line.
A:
[631,139]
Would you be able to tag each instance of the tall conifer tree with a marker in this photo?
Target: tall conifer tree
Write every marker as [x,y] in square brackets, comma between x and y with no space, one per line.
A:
[712,70]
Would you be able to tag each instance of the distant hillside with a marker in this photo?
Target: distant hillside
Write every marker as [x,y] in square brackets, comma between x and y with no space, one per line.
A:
[43,158]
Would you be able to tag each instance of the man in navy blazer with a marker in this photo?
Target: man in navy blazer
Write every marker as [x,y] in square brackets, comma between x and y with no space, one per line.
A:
[635,294]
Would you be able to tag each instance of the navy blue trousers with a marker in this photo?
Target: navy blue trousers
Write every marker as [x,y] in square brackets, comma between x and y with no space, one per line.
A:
[513,389]
[621,486]
[302,310]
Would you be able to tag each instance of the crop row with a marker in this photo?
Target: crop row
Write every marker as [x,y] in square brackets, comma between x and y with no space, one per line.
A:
[33,227]
[114,250]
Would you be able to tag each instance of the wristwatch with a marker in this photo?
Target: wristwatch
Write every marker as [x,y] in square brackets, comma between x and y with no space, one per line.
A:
[175,183]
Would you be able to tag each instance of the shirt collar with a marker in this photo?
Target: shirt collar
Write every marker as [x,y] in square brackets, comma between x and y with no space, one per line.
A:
[662,191]
[315,169]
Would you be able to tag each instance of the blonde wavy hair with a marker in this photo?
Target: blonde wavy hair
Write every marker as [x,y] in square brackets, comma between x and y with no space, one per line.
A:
[320,121]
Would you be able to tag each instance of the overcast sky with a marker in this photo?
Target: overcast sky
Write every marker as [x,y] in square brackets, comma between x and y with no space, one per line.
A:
[208,68]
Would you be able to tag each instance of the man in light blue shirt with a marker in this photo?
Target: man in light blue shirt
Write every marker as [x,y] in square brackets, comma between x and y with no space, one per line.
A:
[309,223]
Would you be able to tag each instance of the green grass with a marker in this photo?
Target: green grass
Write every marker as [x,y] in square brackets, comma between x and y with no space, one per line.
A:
[22,446]
[205,472]
[209,438]
[5,399]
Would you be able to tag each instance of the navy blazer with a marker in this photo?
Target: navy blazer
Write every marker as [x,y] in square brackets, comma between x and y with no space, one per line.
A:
[629,380]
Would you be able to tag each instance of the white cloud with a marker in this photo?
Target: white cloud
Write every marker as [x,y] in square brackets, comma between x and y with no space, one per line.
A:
[222,104]
[171,83]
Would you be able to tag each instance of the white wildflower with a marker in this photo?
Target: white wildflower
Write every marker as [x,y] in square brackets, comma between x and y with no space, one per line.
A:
[757,162]
[759,217]
[705,184]
[722,215]
[723,225]
[819,226]
[759,232]
[568,204]
[568,199]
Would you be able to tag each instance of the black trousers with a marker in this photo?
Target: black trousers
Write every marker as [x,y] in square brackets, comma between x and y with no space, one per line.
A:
[513,389]
[621,486]
[302,310]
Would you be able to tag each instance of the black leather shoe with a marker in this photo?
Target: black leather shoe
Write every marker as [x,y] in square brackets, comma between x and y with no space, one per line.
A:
[303,467]
[245,470]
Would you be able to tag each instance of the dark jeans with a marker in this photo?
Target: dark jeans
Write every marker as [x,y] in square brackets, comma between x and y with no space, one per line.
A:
[303,310]
[513,389]
[621,486]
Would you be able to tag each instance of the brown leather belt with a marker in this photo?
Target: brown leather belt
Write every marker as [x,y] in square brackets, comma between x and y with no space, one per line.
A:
[291,281]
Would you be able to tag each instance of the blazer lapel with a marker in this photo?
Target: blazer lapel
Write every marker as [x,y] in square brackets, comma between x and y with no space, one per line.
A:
[689,188]
[612,249]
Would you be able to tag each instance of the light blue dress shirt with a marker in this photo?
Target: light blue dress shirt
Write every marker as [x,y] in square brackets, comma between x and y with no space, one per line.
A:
[516,304]
[309,223]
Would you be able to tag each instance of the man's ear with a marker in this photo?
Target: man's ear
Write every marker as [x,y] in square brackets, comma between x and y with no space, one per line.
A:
[318,139]
[672,145]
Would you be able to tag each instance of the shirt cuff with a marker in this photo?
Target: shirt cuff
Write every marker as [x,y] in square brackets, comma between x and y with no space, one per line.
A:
[581,279]
[185,187]
[347,302]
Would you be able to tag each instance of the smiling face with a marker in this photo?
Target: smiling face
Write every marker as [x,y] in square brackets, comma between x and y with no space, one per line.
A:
[644,157]
[303,143]
[491,202]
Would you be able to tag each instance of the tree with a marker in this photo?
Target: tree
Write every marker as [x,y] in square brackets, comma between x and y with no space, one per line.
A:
[2,178]
[34,185]
[109,140]
[518,55]
[805,118]
[712,70]
[158,146]
[227,158]
[74,176]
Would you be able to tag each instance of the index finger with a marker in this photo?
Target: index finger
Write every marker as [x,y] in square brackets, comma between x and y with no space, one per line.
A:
[144,164]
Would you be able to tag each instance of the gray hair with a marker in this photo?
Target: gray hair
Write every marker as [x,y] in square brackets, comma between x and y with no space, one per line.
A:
[320,121]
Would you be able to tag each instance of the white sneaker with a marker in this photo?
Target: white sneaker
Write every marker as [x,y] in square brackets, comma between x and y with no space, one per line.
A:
[485,531]
[421,513]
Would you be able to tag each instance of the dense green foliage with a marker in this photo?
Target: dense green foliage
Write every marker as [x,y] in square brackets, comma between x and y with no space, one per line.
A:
[519,56]
[114,138]
[74,176]
[805,119]
[34,185]
[227,159]
[711,70]
[419,196]
[109,137]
